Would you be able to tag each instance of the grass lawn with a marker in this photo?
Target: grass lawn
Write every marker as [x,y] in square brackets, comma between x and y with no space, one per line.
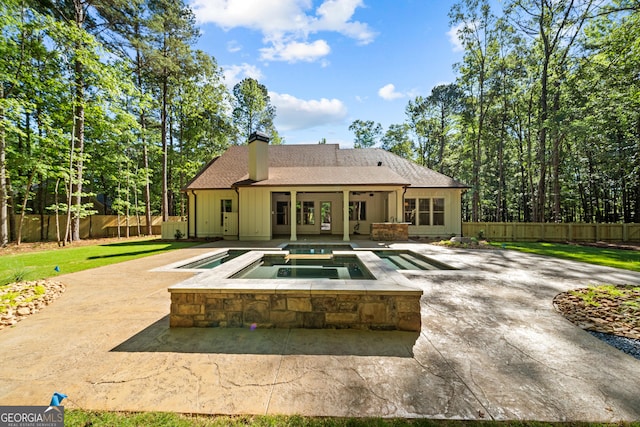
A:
[619,258]
[97,419]
[42,264]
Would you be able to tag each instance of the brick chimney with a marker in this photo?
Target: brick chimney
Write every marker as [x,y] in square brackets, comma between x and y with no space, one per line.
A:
[258,156]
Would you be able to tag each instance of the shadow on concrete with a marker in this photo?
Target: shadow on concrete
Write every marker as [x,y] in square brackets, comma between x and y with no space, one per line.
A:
[510,335]
[158,337]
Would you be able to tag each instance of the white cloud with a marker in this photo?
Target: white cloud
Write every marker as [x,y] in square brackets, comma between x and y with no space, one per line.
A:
[233,46]
[293,113]
[287,24]
[335,15]
[454,38]
[388,92]
[295,51]
[264,15]
[234,73]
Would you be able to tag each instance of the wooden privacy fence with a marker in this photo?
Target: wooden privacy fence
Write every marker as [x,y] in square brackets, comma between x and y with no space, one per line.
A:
[97,226]
[552,232]
[91,227]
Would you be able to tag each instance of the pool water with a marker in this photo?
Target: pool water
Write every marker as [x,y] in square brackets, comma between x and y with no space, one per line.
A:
[215,260]
[344,267]
[409,260]
[310,261]
[302,248]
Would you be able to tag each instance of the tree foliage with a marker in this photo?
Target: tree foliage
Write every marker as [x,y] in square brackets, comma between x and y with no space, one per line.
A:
[367,133]
[252,110]
[543,120]
[105,106]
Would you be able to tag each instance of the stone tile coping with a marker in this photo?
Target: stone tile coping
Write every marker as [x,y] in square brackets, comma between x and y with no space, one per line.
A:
[388,280]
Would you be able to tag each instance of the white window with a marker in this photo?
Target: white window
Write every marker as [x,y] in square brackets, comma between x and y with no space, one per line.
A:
[410,211]
[424,211]
[306,213]
[438,212]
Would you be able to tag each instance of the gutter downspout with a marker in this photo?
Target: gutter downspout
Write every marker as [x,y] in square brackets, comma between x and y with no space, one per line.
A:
[188,213]
[461,220]
[238,222]
[195,216]
[402,201]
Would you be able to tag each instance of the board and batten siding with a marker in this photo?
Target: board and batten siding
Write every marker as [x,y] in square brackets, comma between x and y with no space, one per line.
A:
[452,213]
[255,214]
[204,212]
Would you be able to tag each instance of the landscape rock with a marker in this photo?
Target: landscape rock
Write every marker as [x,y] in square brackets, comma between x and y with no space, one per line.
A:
[31,297]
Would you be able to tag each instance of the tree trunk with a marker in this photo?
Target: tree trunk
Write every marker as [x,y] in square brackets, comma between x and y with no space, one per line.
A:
[501,179]
[147,185]
[4,217]
[477,151]
[126,206]
[78,146]
[68,187]
[170,201]
[56,212]
[555,159]
[24,206]
[540,199]
[165,151]
[42,201]
[442,139]
[145,151]
[78,131]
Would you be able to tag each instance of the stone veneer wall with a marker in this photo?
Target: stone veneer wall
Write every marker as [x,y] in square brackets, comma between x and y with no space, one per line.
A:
[389,231]
[240,308]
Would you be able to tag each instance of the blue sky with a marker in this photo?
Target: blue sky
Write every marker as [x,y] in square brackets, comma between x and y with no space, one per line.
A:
[327,63]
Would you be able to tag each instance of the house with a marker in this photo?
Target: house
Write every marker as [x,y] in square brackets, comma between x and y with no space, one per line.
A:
[261,191]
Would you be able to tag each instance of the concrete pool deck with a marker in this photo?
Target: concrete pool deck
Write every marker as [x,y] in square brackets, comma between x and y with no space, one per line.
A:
[491,347]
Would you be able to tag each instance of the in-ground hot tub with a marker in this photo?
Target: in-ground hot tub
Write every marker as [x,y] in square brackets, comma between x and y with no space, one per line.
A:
[383,299]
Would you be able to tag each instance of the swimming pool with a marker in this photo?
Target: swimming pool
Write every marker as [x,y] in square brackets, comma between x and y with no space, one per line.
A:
[309,257]
[306,291]
[402,259]
[215,260]
[313,248]
[306,266]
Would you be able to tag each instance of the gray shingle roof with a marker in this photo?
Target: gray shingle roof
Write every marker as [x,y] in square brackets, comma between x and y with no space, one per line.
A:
[319,164]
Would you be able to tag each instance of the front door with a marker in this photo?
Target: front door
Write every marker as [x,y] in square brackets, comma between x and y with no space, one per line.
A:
[325,212]
[228,219]
[281,224]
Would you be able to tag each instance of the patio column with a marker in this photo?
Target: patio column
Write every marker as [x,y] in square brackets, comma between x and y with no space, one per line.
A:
[293,218]
[345,215]
[399,206]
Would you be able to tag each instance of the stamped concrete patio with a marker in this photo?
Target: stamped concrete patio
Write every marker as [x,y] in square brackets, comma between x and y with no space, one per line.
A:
[491,347]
